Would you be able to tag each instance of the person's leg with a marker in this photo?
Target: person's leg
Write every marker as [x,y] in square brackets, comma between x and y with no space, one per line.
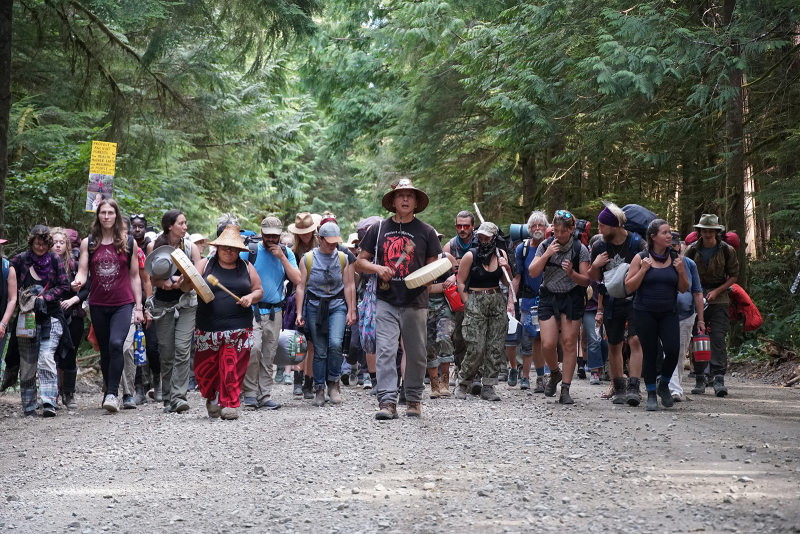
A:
[207,366]
[48,374]
[320,341]
[153,354]
[685,326]
[445,327]
[570,330]
[12,357]
[28,363]
[234,359]
[412,332]
[337,320]
[669,334]
[494,311]
[254,372]
[511,353]
[129,363]
[549,334]
[101,324]
[718,321]
[119,325]
[181,369]
[165,330]
[647,327]
[459,347]
[431,348]
[269,334]
[473,331]
[594,357]
[387,336]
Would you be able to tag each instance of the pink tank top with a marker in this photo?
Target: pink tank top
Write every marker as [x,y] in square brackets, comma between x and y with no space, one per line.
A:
[111,283]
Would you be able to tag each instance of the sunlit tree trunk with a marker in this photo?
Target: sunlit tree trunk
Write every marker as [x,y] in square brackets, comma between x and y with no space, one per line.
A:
[5,101]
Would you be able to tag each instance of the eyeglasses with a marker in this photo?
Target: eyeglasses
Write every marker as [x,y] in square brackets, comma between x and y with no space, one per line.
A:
[463,226]
[564,213]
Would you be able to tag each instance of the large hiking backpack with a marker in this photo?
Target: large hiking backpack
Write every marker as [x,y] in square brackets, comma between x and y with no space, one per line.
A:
[638,219]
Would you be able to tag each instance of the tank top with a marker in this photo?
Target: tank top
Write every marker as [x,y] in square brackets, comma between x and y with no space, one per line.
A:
[224,313]
[480,277]
[659,290]
[111,282]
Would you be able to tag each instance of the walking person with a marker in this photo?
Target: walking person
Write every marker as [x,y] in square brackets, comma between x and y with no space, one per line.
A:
[325,305]
[148,378]
[42,282]
[274,263]
[304,231]
[657,274]
[174,308]
[563,262]
[485,321]
[8,302]
[225,326]
[114,293]
[718,268]
[404,244]
[440,327]
[458,246]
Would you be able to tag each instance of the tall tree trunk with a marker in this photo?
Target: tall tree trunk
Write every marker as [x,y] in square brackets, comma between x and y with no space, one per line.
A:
[528,183]
[735,171]
[555,197]
[6,7]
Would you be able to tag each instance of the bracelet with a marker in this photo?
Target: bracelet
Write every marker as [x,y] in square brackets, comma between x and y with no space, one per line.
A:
[4,324]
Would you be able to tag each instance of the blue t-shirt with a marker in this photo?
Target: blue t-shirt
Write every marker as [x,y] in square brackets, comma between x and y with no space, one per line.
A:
[522,268]
[271,271]
[686,300]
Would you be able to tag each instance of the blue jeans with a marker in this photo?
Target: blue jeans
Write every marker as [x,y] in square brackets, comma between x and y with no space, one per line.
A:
[327,347]
[594,354]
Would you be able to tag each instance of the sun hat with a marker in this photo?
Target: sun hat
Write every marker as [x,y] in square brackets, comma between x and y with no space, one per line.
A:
[330,231]
[159,264]
[199,238]
[487,229]
[351,240]
[271,226]
[405,184]
[709,221]
[230,237]
[303,223]
[317,218]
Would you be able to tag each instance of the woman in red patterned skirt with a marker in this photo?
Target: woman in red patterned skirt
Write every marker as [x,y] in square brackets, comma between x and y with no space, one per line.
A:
[224,326]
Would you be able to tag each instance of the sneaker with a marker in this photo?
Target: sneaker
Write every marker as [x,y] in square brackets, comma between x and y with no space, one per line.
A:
[287,379]
[414,409]
[229,414]
[353,375]
[214,410]
[388,411]
[525,383]
[111,404]
[361,379]
[503,376]
[181,406]
[539,385]
[488,393]
[31,413]
[512,377]
[476,387]
[48,410]
[595,380]
[279,375]
[367,382]
[250,402]
[552,384]
[269,404]
[426,380]
[128,403]
[461,392]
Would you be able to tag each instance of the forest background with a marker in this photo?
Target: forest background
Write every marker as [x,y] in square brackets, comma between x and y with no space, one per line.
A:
[257,107]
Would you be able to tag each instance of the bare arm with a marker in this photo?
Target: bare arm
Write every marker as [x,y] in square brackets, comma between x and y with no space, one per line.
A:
[636,273]
[697,297]
[83,267]
[12,300]
[256,290]
[596,270]
[364,265]
[350,294]
[463,274]
[136,287]
[300,292]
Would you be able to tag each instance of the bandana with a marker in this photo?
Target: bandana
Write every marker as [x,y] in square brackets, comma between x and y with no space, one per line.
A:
[608,218]
[568,246]
[41,265]
[486,250]
[659,257]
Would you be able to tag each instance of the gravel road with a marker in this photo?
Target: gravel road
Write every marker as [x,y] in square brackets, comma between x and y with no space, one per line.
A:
[524,464]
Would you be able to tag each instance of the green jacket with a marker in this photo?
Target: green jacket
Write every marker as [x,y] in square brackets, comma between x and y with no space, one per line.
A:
[723,265]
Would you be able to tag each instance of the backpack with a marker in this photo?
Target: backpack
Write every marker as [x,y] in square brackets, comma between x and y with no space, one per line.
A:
[638,218]
[131,245]
[309,259]
[252,246]
[526,292]
[583,230]
[614,279]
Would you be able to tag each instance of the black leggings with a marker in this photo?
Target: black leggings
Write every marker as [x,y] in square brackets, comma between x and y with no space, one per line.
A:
[69,361]
[652,327]
[111,325]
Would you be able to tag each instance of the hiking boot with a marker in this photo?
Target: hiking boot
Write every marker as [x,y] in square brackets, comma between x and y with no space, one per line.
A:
[476,387]
[513,376]
[539,385]
[565,398]
[155,393]
[503,375]
[181,406]
[279,375]
[214,410]
[488,393]
[308,387]
[229,414]
[360,380]
[699,384]
[48,410]
[367,382]
[298,383]
[552,384]
[111,404]
[334,393]
[461,392]
[10,378]
[652,401]
[128,402]
[414,409]
[524,383]
[581,369]
[401,397]
[620,393]
[287,379]
[435,386]
[68,398]
[666,397]
[319,397]
[444,389]
[634,397]
[388,410]
[139,396]
[719,386]
[595,380]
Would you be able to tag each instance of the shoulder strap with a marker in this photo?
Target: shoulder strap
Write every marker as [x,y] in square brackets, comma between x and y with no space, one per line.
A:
[342,260]
[5,269]
[526,247]
[90,247]
[576,255]
[132,245]
[253,247]
[309,259]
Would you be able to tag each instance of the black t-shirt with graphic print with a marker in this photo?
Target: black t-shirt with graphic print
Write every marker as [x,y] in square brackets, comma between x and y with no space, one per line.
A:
[617,254]
[392,241]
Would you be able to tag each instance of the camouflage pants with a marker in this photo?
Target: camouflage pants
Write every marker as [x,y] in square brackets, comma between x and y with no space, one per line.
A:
[484,330]
[440,332]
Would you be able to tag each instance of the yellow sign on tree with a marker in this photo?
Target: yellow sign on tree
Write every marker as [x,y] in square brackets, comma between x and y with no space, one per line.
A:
[104,157]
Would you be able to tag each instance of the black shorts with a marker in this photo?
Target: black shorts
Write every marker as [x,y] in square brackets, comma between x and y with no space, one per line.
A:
[615,317]
[571,304]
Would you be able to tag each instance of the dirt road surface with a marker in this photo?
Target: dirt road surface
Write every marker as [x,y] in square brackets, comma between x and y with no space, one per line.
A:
[524,464]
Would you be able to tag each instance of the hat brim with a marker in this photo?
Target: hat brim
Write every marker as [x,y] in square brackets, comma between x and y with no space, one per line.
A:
[332,238]
[229,245]
[422,199]
[271,231]
[164,251]
[295,230]
[708,226]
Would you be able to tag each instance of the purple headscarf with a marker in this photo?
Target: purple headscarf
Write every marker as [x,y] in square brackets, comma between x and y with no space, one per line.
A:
[608,218]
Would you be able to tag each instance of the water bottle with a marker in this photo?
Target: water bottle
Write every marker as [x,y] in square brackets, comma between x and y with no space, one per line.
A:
[348,332]
[139,342]
[535,319]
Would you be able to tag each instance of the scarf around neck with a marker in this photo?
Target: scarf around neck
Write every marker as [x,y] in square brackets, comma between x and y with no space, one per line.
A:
[41,264]
[568,246]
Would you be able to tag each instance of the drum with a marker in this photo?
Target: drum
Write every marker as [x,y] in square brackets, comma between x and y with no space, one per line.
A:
[429,273]
[188,270]
[292,347]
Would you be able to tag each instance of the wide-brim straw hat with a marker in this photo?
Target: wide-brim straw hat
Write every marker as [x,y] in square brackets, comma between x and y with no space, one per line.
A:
[199,239]
[230,237]
[159,263]
[303,223]
[709,221]
[405,184]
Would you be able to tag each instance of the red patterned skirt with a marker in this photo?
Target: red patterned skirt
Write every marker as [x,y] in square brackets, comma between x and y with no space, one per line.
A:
[220,363]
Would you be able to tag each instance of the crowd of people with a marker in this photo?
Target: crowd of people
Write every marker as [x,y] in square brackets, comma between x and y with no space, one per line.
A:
[618,307]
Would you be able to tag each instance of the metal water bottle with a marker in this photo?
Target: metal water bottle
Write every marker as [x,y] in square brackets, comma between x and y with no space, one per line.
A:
[535,317]
[348,332]
[139,352]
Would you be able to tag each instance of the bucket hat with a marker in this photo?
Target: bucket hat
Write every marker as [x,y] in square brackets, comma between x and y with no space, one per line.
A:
[710,221]
[159,264]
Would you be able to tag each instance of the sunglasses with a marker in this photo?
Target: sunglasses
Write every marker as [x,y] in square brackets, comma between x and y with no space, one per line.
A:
[564,213]
[463,226]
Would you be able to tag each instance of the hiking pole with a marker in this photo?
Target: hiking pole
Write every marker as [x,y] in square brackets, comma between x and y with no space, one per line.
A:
[215,282]
[508,278]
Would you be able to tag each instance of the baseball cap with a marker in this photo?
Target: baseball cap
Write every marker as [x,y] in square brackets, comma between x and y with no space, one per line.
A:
[330,231]
[487,229]
[271,226]
[676,238]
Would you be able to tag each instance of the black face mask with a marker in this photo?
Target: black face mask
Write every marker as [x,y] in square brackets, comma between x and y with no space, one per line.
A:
[486,250]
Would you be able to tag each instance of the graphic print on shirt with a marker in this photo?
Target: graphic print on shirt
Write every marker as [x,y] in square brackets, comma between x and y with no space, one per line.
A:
[393,247]
[106,268]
